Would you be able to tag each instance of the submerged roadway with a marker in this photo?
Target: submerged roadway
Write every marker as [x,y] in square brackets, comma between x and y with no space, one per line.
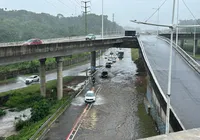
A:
[112,116]
[185,97]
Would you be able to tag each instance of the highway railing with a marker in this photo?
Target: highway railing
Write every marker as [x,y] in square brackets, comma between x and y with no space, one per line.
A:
[156,81]
[44,129]
[186,56]
[57,40]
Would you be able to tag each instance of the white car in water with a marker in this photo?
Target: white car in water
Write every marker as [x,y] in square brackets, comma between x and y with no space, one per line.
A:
[33,78]
[90,97]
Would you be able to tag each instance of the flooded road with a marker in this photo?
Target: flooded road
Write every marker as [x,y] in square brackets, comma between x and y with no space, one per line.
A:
[7,122]
[114,115]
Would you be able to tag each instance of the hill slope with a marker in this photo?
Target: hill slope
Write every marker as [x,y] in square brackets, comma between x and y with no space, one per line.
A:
[18,25]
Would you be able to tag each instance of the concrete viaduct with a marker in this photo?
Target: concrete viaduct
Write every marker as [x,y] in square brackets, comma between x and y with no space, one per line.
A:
[19,53]
[182,37]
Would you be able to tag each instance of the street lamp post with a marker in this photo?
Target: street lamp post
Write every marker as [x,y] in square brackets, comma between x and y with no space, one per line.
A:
[170,73]
[157,9]
[101,32]
[177,22]
[102,22]
[194,48]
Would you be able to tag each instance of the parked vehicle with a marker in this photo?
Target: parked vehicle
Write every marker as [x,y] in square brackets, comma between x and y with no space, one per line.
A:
[33,78]
[90,37]
[113,60]
[108,65]
[109,62]
[120,54]
[104,74]
[90,97]
[34,41]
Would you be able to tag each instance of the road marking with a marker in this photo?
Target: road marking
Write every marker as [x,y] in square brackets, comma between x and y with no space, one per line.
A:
[78,122]
[81,122]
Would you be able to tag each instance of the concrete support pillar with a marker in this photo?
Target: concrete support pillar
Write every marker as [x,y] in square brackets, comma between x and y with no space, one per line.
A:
[93,61]
[140,53]
[196,44]
[59,61]
[42,77]
[182,43]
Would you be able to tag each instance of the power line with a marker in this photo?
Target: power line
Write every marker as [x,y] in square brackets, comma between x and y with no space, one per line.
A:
[156,11]
[75,3]
[190,11]
[55,6]
[65,4]
[78,2]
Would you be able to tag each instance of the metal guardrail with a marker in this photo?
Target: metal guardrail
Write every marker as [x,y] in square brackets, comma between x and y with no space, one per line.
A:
[186,56]
[45,127]
[54,40]
[156,81]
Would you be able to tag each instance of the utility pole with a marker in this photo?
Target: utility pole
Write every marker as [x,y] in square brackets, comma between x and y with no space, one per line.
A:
[113,20]
[85,13]
[102,21]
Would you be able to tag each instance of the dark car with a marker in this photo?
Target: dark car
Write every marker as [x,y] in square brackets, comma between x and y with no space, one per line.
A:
[108,65]
[35,41]
[104,74]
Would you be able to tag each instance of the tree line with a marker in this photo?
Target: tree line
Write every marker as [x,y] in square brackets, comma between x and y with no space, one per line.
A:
[20,25]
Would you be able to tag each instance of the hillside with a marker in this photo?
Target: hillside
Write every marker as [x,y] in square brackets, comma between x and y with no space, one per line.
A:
[18,25]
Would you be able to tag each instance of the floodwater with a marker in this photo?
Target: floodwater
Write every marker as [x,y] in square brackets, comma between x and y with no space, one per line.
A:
[7,122]
[114,115]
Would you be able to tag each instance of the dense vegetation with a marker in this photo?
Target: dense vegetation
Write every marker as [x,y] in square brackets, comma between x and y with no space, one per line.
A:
[32,66]
[2,112]
[22,25]
[41,108]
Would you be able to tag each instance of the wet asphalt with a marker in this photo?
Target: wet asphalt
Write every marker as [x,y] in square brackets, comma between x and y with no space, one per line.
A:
[114,114]
[20,82]
[185,97]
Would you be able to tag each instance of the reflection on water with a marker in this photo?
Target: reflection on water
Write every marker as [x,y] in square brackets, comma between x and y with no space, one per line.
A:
[90,120]
[78,101]
[7,122]
[99,100]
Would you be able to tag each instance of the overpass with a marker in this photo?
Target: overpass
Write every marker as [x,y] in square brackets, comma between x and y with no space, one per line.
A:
[155,52]
[183,36]
[14,53]
[185,97]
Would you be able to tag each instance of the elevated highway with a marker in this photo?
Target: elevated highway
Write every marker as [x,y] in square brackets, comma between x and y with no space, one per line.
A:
[14,53]
[182,35]
[185,97]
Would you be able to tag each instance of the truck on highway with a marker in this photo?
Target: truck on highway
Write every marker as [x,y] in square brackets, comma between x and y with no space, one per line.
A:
[120,54]
[130,33]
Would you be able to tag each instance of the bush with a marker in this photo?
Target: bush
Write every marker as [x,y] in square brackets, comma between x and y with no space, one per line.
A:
[40,110]
[20,124]
[140,65]
[22,101]
[2,112]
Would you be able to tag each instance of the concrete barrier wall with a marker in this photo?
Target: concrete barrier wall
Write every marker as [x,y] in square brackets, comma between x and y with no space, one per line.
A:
[175,122]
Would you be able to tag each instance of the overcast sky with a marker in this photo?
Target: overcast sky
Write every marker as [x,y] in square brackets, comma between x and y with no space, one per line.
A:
[124,10]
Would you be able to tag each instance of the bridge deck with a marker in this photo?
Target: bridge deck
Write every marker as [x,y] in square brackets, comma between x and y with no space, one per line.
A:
[193,134]
[185,92]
